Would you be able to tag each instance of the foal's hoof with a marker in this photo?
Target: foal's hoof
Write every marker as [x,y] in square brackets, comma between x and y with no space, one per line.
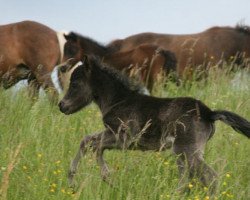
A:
[108,181]
[71,181]
[182,190]
[106,177]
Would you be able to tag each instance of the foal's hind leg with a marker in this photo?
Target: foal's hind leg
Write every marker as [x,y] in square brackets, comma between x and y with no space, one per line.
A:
[191,161]
[87,140]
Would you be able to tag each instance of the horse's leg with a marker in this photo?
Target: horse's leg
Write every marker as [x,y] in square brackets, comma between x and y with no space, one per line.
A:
[104,167]
[87,140]
[44,78]
[182,172]
[51,91]
[33,88]
[106,141]
[191,161]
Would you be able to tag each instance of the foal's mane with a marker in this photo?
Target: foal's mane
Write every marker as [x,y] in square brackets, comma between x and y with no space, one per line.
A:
[243,28]
[114,74]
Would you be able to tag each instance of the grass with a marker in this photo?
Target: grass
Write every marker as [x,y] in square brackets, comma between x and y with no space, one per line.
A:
[37,143]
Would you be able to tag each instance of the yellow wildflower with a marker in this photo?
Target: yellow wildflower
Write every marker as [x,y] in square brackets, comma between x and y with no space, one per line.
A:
[63,191]
[230,195]
[196,198]
[53,185]
[39,155]
[166,163]
[58,162]
[52,190]
[190,185]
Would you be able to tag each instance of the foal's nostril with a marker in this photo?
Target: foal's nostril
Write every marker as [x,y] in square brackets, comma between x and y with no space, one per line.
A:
[61,104]
[63,107]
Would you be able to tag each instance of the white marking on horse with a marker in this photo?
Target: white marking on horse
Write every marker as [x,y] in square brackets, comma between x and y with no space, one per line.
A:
[77,65]
[61,41]
[55,79]
[54,74]
[65,77]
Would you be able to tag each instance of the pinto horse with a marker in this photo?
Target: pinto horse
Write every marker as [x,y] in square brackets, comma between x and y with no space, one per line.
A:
[29,50]
[145,61]
[136,121]
[208,48]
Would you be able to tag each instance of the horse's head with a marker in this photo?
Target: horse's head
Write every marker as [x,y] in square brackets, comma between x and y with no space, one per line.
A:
[72,48]
[14,75]
[79,93]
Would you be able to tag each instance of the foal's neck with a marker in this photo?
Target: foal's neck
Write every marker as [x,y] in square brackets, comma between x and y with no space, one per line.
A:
[109,96]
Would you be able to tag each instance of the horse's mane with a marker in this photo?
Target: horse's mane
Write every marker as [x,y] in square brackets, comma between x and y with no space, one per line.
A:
[115,45]
[243,28]
[115,74]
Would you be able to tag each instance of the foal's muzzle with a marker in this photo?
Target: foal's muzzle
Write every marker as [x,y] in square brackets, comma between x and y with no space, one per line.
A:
[62,107]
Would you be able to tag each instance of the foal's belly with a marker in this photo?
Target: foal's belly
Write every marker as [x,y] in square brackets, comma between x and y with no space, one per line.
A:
[146,144]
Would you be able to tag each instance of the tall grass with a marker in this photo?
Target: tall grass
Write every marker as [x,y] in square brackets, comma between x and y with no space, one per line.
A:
[49,140]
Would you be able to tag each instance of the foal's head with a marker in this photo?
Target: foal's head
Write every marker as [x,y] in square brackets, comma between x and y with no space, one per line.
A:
[72,48]
[79,93]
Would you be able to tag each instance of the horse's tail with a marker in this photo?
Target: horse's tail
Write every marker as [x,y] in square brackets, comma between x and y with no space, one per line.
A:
[170,64]
[237,122]
[170,60]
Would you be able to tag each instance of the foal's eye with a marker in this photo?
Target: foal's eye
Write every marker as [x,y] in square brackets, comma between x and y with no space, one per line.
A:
[74,85]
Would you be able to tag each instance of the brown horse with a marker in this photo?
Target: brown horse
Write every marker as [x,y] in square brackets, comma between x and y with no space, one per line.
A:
[207,48]
[145,61]
[29,50]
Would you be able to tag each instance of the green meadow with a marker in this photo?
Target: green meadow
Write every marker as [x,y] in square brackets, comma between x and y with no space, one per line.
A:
[38,142]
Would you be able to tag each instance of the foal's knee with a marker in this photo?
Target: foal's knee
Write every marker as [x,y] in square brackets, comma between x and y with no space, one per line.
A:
[85,141]
[90,140]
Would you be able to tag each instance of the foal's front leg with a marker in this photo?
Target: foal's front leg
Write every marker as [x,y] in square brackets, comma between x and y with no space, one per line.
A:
[87,140]
[106,141]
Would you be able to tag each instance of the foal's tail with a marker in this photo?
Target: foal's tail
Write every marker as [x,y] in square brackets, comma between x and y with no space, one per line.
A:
[237,122]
